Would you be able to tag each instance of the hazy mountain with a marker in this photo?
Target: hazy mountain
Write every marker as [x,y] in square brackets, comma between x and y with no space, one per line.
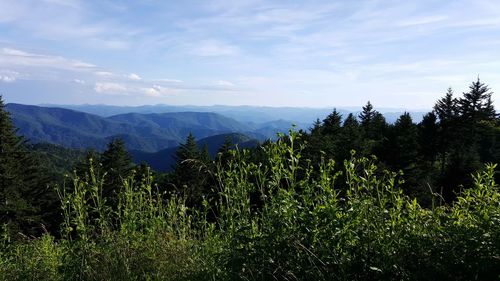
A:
[303,117]
[146,132]
[152,132]
[163,160]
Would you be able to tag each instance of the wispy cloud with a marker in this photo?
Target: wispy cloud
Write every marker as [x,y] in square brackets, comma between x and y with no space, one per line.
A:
[159,91]
[8,76]
[10,57]
[252,51]
[167,80]
[110,88]
[213,48]
[134,77]
[59,20]
[224,83]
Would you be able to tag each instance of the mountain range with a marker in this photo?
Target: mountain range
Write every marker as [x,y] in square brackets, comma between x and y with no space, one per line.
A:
[144,132]
[303,117]
[152,133]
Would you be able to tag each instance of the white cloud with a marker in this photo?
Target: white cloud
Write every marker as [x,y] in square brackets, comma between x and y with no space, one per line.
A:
[152,92]
[66,20]
[134,77]
[15,52]
[214,48]
[18,58]
[224,83]
[423,20]
[81,64]
[159,91]
[110,88]
[104,73]
[78,81]
[8,75]
[166,80]
[7,78]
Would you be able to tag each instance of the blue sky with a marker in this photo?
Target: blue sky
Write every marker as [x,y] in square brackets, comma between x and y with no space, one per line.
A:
[402,54]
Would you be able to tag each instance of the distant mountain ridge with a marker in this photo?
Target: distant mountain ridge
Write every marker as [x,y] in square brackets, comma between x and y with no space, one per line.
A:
[303,117]
[145,132]
[151,132]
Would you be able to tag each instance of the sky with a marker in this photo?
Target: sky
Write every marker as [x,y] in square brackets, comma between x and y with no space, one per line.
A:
[401,54]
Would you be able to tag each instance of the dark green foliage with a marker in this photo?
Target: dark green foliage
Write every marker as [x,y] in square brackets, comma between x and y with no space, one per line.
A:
[224,152]
[350,138]
[428,131]
[307,229]
[303,207]
[332,123]
[24,188]
[192,170]
[476,105]
[403,146]
[373,127]
[117,163]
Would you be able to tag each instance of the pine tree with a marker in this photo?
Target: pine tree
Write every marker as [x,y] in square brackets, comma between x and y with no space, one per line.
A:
[447,111]
[190,170]
[23,188]
[373,127]
[350,138]
[224,154]
[117,164]
[332,123]
[429,138]
[186,152]
[446,108]
[404,143]
[367,115]
[476,104]
[478,120]
[316,127]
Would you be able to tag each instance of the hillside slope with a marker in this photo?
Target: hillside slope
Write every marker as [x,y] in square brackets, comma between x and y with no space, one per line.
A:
[163,160]
[145,132]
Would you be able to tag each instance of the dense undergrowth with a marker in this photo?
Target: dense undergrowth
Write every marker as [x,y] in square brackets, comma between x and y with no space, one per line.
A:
[275,221]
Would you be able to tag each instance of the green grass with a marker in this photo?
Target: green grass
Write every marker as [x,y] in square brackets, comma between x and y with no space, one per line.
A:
[274,221]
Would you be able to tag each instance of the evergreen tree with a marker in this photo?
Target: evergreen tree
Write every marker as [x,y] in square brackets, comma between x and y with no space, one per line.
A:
[117,163]
[478,118]
[429,138]
[316,127]
[367,115]
[404,144]
[187,151]
[373,126]
[23,189]
[315,142]
[476,104]
[378,127]
[224,154]
[350,138]
[446,110]
[190,170]
[332,123]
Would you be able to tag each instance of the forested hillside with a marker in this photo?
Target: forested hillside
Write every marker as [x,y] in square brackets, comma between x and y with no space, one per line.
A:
[352,198]
[146,132]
